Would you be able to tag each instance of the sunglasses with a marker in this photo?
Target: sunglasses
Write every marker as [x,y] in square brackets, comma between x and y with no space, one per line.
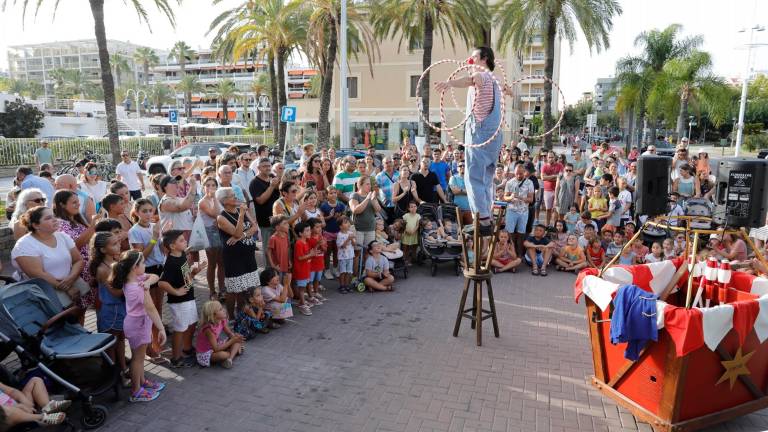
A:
[293,190]
[37,200]
[460,166]
[568,170]
[93,173]
[176,168]
[124,155]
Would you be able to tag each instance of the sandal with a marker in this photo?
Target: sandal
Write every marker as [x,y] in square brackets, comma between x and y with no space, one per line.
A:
[543,271]
[55,406]
[50,419]
[513,270]
[535,271]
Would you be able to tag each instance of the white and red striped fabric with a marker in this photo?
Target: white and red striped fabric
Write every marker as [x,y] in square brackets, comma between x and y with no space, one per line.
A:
[689,328]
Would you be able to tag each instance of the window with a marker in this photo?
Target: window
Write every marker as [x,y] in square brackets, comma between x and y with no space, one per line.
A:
[352,87]
[538,72]
[414,92]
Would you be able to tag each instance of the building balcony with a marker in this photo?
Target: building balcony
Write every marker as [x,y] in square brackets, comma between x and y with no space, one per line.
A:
[533,61]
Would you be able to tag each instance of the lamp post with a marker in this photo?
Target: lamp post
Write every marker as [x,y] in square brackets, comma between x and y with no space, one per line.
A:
[136,94]
[745,81]
[691,124]
[263,104]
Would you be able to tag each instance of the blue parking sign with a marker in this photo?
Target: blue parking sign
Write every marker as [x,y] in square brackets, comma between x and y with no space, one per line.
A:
[288,114]
[173,116]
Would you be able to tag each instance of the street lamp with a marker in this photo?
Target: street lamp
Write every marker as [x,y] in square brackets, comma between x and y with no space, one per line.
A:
[263,104]
[745,79]
[136,95]
[691,123]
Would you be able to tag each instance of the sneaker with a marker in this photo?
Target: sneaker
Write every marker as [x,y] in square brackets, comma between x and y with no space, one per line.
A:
[55,406]
[144,395]
[154,385]
[181,362]
[227,364]
[336,271]
[328,274]
[320,297]
[314,301]
[342,289]
[273,325]
[304,309]
[50,419]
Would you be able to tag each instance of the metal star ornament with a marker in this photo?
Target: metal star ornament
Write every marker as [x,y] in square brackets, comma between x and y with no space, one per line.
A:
[736,367]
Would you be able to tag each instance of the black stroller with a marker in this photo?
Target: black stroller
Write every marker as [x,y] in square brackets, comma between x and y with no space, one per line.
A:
[34,325]
[439,251]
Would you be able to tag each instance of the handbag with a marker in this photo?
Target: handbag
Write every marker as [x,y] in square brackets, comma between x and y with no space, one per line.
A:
[198,239]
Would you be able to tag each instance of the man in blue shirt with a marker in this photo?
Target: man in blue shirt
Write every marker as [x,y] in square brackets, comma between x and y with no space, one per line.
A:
[441,168]
[386,179]
[27,180]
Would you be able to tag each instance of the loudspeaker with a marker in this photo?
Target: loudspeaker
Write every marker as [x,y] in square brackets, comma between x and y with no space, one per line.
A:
[741,194]
[652,185]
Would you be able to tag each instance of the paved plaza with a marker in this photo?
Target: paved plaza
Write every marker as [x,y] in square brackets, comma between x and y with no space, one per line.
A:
[388,362]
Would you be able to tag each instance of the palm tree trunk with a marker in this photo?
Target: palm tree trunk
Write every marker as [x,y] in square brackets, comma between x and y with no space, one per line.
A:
[118,77]
[225,111]
[275,103]
[323,126]
[630,116]
[281,55]
[188,105]
[426,61]
[683,114]
[146,73]
[549,67]
[97,9]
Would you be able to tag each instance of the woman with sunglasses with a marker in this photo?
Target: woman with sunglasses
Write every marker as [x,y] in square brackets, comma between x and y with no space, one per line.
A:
[175,210]
[92,183]
[314,173]
[288,203]
[27,199]
[566,191]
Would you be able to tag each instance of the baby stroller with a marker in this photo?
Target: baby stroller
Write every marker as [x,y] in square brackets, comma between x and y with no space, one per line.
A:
[33,324]
[438,251]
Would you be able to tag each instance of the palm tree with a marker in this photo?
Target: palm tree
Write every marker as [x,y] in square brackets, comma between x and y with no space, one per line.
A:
[224,91]
[108,86]
[72,83]
[416,22]
[642,71]
[33,89]
[518,20]
[119,64]
[322,46]
[260,86]
[160,94]
[13,86]
[189,84]
[182,53]
[259,29]
[147,58]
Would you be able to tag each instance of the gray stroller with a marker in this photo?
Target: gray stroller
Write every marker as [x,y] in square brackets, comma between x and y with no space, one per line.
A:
[69,358]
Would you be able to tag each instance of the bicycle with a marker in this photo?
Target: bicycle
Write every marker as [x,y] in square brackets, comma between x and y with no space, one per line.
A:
[103,168]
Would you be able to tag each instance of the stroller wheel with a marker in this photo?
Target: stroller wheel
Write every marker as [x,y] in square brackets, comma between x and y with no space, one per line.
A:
[405,273]
[457,268]
[360,287]
[434,269]
[94,416]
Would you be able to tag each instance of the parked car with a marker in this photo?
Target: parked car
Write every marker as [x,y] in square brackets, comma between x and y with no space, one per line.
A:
[161,164]
[663,148]
[762,154]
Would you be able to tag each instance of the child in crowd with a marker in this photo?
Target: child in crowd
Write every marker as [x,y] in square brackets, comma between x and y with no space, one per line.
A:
[639,249]
[571,257]
[615,208]
[430,232]
[111,226]
[585,219]
[21,406]
[312,211]
[628,256]
[333,210]
[668,247]
[177,281]
[504,257]
[105,251]
[345,245]
[302,257]
[252,317]
[128,275]
[448,231]
[598,207]
[589,235]
[470,252]
[317,264]
[209,347]
[377,275]
[275,296]
[571,219]
[679,244]
[115,206]
[278,249]
[390,249]
[656,254]
[595,253]
[560,236]
[395,231]
[614,247]
[411,233]
[606,237]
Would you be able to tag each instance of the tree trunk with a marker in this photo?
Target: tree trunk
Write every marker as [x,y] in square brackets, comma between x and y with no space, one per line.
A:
[118,77]
[225,111]
[188,105]
[281,54]
[549,67]
[97,9]
[683,115]
[323,126]
[275,103]
[426,61]
[630,116]
[146,74]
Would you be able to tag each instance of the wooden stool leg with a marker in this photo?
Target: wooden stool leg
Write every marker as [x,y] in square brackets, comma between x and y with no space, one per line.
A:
[474,305]
[479,311]
[462,304]
[493,309]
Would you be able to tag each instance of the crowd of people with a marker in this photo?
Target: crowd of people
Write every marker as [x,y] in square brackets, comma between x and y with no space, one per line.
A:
[130,246]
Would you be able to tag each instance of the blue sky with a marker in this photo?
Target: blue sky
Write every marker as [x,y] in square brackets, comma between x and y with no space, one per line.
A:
[717,21]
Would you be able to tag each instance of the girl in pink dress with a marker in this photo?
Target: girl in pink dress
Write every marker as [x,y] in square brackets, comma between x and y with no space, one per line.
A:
[128,275]
[210,347]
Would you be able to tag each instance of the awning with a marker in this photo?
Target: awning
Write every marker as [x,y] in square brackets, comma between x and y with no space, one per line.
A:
[231,115]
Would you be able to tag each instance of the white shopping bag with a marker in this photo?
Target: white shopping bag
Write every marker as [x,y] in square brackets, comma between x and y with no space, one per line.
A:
[198,240]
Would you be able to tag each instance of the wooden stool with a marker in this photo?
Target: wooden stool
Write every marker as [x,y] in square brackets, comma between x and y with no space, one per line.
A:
[477,275]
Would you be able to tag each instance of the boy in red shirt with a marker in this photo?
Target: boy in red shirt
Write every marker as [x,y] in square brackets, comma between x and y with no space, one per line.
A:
[317,265]
[302,258]
[278,250]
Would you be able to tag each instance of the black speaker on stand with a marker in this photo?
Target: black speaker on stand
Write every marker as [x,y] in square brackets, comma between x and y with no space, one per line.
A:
[652,185]
[742,193]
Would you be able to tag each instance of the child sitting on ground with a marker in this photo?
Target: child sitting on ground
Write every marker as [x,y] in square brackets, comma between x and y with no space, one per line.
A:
[571,256]
[595,254]
[639,249]
[628,256]
[656,254]
[20,406]
[668,247]
[345,246]
[584,221]
[252,317]
[275,296]
[377,275]
[504,257]
[614,247]
[209,347]
[571,219]
[588,235]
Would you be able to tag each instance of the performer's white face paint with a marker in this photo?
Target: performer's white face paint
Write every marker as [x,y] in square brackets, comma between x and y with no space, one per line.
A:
[477,60]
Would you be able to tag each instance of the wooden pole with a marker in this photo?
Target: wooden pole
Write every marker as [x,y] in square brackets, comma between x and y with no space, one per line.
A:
[464,252]
[691,263]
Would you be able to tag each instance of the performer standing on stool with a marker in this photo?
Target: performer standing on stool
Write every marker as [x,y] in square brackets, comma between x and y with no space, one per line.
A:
[485,118]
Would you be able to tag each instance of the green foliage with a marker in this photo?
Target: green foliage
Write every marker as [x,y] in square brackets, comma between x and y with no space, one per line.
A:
[753,128]
[576,115]
[608,120]
[756,141]
[20,120]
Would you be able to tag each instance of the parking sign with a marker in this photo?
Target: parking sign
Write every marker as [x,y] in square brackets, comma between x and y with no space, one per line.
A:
[288,114]
[173,116]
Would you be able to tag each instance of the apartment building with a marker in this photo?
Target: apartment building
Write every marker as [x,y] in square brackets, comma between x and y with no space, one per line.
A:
[605,101]
[533,60]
